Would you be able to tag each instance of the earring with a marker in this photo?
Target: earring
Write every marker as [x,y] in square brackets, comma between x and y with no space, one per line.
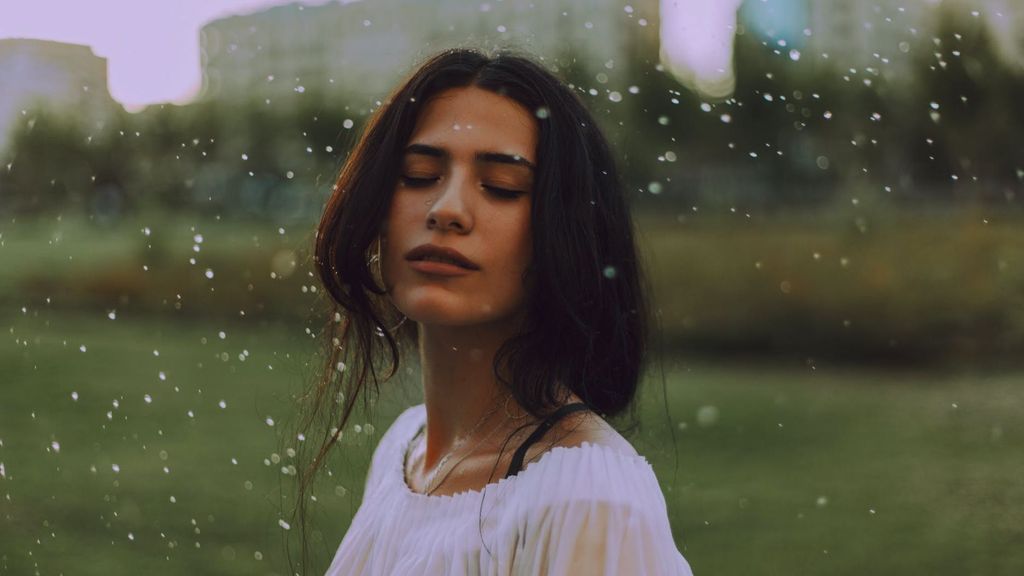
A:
[380,273]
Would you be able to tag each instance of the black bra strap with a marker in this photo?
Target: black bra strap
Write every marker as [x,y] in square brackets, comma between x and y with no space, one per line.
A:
[517,459]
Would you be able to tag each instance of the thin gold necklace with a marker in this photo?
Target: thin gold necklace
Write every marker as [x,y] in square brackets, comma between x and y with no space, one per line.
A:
[458,444]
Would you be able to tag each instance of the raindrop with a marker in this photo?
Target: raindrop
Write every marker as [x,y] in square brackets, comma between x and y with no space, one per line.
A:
[703,106]
[209,273]
[615,96]
[55,446]
[284,524]
[726,118]
[610,272]
[222,404]
[148,399]
[543,112]
[794,55]
[654,187]
[74,396]
[269,421]
[707,416]
[663,120]
[112,314]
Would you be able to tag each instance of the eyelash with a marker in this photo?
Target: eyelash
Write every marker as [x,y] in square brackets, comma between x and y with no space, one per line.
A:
[424,182]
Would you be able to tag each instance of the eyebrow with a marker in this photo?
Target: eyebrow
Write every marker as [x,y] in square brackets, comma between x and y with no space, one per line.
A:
[493,157]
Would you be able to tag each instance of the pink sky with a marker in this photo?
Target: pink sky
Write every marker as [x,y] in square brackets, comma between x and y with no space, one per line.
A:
[152,46]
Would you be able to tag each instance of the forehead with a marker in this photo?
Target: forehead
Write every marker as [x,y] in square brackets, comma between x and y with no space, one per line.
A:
[470,119]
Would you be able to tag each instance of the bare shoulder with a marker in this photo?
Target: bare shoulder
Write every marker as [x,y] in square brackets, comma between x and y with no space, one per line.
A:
[588,427]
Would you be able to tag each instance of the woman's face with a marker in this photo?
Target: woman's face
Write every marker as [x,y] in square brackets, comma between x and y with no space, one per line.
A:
[466,183]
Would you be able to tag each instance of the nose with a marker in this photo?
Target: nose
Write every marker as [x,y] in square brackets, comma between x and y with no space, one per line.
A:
[450,210]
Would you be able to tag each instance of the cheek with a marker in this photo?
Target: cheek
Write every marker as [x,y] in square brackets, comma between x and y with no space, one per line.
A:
[518,238]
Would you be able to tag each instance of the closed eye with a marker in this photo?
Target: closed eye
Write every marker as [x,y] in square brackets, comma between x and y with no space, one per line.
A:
[418,182]
[503,192]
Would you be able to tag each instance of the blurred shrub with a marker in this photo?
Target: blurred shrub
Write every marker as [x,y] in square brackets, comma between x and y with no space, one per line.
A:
[846,283]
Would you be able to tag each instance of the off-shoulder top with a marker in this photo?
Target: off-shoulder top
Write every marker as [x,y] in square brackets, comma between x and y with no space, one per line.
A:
[587,509]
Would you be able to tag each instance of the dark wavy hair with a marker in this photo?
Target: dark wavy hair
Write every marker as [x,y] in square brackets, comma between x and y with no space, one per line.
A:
[587,311]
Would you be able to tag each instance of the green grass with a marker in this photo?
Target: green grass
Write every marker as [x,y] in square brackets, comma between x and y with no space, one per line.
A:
[860,284]
[805,469]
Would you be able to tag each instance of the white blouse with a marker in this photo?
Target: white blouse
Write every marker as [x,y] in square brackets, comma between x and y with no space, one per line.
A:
[586,509]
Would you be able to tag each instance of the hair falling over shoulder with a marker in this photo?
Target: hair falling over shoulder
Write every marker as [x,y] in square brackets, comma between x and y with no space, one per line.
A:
[589,329]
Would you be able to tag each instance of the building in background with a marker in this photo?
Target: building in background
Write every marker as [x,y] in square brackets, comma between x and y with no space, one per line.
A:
[363,48]
[67,76]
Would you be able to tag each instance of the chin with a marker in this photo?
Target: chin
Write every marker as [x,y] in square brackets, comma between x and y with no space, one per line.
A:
[445,312]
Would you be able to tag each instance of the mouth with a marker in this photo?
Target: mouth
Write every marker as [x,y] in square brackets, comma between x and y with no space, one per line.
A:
[436,257]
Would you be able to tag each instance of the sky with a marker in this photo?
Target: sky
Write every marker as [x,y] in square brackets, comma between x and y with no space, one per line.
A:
[152,46]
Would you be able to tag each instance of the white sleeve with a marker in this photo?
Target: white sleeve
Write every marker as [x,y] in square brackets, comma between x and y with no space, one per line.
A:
[383,452]
[598,537]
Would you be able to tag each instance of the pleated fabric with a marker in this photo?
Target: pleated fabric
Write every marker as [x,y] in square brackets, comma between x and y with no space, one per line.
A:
[586,509]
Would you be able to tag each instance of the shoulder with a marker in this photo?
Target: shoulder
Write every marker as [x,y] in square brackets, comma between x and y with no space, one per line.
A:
[398,433]
[403,427]
[577,430]
[587,460]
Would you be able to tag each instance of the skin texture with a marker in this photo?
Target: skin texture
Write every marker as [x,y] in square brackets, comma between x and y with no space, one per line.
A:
[449,196]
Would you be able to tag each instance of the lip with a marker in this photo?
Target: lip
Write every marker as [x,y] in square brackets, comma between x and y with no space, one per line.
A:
[438,268]
[416,255]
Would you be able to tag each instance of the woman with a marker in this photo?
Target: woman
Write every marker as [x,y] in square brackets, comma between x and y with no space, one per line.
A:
[480,220]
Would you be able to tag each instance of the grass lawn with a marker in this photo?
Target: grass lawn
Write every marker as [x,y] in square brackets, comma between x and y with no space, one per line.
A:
[783,468]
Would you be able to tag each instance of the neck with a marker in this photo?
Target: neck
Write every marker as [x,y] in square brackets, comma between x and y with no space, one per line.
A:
[459,385]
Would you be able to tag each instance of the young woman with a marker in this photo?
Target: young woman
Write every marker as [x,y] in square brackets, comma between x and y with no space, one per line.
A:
[480,221]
